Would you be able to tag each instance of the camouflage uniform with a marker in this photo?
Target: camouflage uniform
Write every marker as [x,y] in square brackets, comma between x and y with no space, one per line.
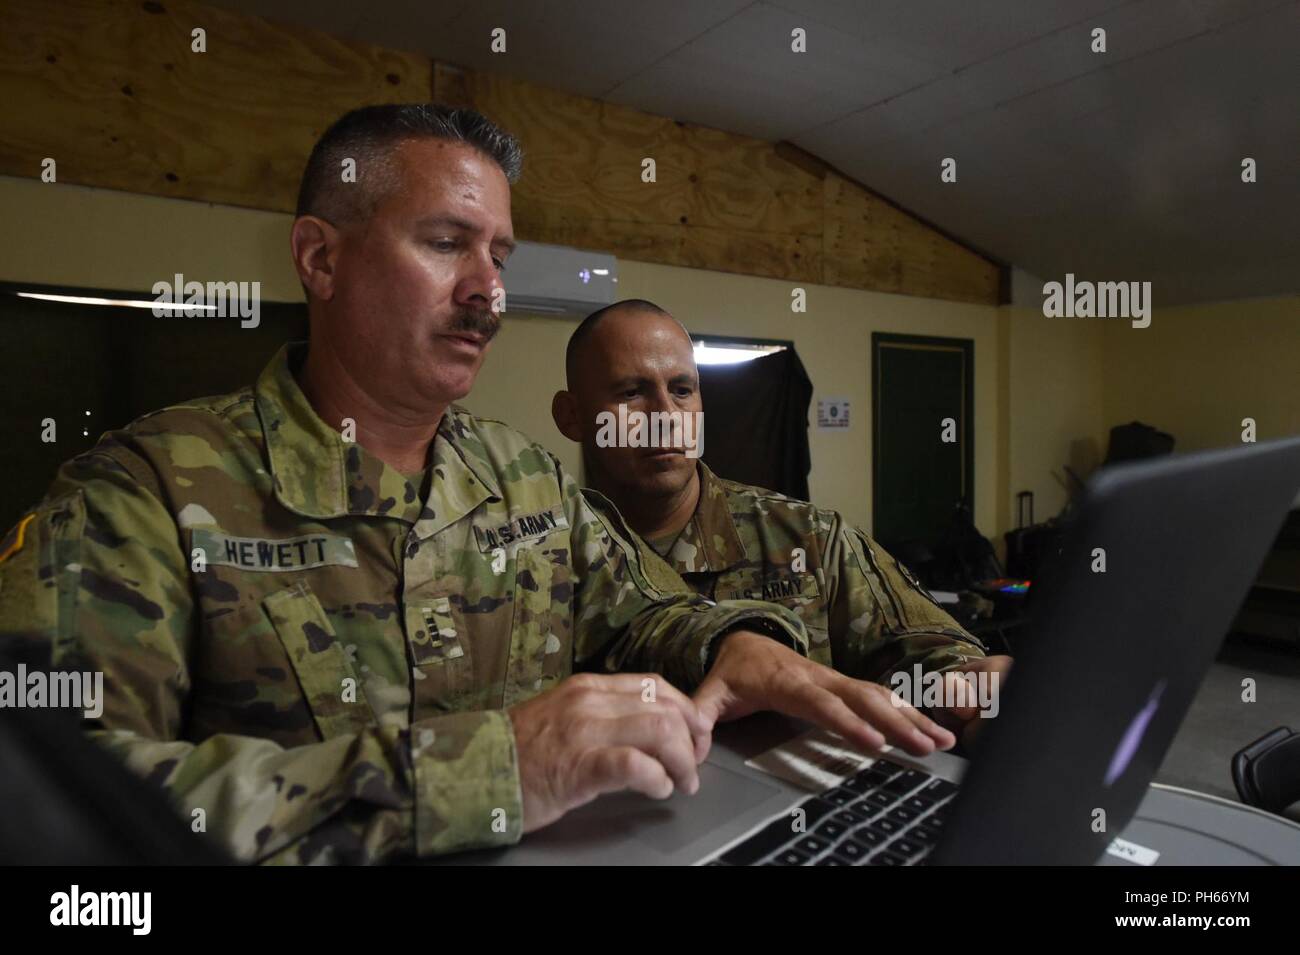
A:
[866,614]
[295,642]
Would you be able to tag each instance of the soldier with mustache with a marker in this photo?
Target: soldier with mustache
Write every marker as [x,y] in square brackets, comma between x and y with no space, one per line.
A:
[336,612]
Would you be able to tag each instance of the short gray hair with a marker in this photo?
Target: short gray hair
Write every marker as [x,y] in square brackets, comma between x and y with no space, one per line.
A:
[368,136]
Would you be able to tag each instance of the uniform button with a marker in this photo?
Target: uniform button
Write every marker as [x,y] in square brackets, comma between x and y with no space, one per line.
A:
[412,546]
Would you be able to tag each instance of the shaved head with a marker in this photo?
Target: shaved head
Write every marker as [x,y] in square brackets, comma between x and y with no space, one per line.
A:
[632,354]
[574,352]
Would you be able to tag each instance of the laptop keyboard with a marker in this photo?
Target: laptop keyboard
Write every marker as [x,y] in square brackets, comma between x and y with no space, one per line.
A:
[886,814]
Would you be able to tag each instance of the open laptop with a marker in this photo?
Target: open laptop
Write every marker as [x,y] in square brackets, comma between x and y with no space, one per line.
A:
[1110,662]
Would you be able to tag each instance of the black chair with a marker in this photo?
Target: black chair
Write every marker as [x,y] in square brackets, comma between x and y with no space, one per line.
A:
[1267,772]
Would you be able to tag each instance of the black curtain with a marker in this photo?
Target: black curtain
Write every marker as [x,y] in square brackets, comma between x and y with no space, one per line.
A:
[756,422]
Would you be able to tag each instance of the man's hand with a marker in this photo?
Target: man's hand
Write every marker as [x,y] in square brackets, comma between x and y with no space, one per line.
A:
[753,672]
[966,720]
[595,734]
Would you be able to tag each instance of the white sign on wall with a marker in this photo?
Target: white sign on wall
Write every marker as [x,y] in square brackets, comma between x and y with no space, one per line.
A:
[832,413]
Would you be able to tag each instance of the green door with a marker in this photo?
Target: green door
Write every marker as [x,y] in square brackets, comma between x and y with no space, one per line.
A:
[920,477]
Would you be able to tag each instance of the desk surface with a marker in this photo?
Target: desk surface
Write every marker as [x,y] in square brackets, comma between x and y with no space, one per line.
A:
[1191,828]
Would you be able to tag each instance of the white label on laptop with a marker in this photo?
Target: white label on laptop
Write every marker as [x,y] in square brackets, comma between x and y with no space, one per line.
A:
[815,761]
[1132,852]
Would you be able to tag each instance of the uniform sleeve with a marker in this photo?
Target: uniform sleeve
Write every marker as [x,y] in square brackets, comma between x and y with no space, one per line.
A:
[623,622]
[102,580]
[881,619]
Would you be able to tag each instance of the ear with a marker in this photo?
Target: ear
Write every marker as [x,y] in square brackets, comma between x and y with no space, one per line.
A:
[564,409]
[314,244]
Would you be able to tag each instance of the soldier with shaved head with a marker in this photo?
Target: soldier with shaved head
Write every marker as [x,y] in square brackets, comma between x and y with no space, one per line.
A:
[867,617]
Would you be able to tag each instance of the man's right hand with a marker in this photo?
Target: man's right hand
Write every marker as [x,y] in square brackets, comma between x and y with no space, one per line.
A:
[596,733]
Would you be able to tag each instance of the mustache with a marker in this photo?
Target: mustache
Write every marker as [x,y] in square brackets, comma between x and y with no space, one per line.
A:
[477,321]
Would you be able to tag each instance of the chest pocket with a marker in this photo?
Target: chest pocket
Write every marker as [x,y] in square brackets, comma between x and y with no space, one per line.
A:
[541,633]
[329,683]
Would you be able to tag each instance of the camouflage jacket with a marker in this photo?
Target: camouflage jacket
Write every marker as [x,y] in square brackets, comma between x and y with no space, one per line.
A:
[294,642]
[866,614]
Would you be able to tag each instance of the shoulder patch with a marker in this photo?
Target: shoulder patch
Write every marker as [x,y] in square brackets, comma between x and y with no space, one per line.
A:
[13,542]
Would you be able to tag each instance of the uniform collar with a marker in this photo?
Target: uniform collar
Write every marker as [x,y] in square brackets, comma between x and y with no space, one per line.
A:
[710,543]
[317,474]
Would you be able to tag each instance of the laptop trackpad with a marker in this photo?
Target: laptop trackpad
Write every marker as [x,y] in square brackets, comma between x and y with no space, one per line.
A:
[664,826]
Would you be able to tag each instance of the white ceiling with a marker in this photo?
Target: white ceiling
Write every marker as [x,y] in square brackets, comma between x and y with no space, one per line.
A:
[1120,166]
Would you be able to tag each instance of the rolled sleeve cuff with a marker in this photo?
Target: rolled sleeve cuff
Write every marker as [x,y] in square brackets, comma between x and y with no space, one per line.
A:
[731,615]
[951,650]
[467,788]
[956,657]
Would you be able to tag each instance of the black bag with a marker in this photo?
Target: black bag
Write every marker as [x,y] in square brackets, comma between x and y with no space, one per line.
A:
[1135,441]
[1030,545]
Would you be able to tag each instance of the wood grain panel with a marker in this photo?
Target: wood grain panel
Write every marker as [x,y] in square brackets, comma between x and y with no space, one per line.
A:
[718,201]
[872,244]
[113,91]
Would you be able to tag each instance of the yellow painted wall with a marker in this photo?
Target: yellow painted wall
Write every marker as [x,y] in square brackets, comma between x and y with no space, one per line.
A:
[77,236]
[98,238]
[1197,371]
[1054,391]
[1047,390]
